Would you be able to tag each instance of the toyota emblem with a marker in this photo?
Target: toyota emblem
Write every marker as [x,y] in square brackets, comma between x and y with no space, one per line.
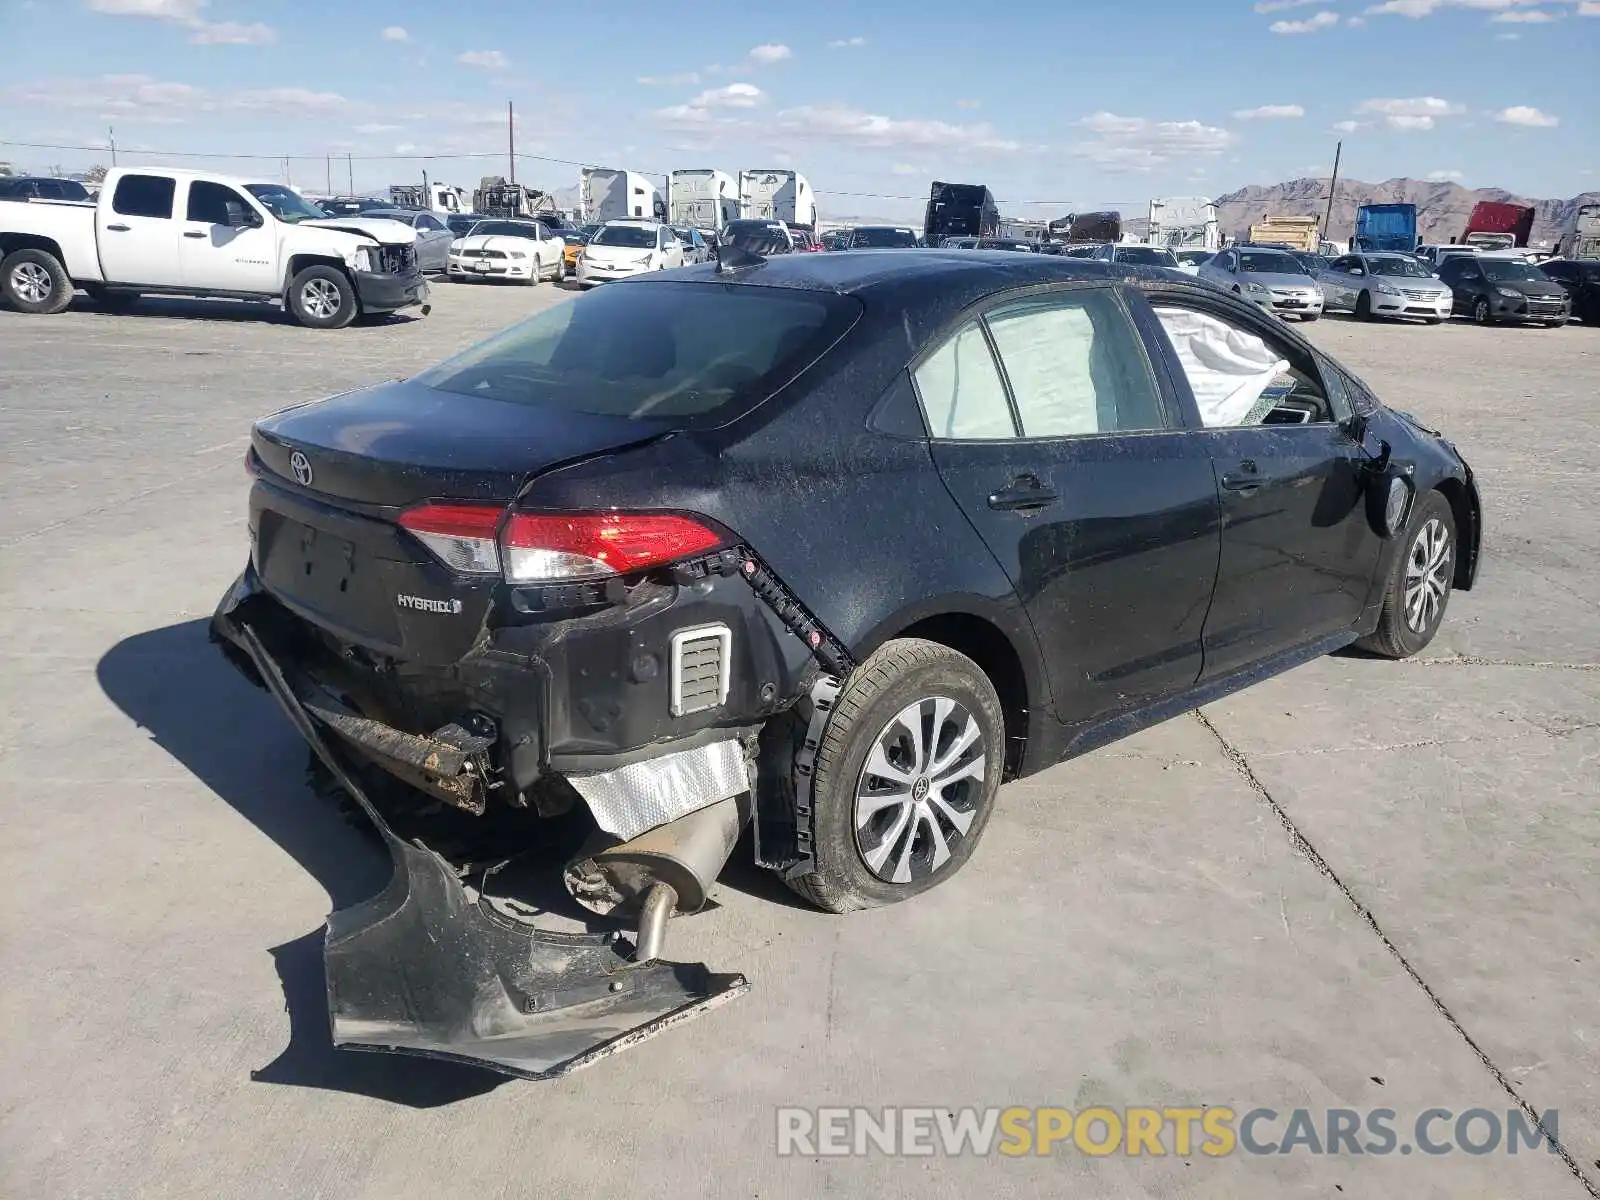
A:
[300,466]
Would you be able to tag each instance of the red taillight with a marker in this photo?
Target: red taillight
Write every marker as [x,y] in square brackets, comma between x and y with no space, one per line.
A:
[541,547]
[462,535]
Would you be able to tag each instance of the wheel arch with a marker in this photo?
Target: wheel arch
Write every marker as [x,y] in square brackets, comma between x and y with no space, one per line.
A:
[981,630]
[1467,513]
[10,243]
[299,262]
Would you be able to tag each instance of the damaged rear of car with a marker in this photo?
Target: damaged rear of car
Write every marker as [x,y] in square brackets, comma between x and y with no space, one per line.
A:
[422,600]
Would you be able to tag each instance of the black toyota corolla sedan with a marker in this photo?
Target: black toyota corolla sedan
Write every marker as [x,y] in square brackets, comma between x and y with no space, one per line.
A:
[846,540]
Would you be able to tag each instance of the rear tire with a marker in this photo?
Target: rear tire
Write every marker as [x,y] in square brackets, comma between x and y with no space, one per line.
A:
[930,718]
[323,297]
[1420,581]
[34,281]
[1433,320]
[560,277]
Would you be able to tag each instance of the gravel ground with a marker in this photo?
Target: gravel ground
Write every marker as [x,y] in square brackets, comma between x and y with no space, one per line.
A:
[1360,884]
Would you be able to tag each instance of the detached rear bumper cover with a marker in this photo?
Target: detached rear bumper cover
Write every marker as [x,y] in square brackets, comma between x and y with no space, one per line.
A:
[425,968]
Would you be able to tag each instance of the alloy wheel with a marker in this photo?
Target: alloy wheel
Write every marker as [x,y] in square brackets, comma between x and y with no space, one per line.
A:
[32,283]
[1480,312]
[320,298]
[1427,575]
[919,790]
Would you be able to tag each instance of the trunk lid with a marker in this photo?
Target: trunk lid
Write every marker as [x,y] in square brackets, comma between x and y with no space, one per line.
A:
[325,538]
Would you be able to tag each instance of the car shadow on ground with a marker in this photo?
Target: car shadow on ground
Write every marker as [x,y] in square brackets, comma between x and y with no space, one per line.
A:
[233,738]
[184,308]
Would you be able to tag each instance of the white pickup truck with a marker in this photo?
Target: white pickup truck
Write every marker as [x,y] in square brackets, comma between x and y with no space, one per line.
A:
[192,233]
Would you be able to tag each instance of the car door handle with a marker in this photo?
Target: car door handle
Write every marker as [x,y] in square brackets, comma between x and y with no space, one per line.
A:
[1023,495]
[1241,482]
[117,228]
[193,233]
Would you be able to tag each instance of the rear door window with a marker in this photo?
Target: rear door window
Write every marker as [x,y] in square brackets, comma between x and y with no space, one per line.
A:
[1076,365]
[144,196]
[963,397]
[697,353]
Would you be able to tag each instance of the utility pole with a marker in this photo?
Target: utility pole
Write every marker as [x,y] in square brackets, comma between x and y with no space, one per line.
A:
[1333,188]
[350,165]
[327,161]
[511,138]
[427,194]
[111,135]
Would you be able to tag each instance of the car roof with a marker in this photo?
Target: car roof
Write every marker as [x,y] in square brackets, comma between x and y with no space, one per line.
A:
[885,272]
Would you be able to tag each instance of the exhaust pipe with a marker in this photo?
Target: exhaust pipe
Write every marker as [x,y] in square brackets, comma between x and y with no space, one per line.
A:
[666,870]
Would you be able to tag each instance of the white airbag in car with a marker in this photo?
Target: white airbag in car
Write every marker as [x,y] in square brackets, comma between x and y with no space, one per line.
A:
[1228,369]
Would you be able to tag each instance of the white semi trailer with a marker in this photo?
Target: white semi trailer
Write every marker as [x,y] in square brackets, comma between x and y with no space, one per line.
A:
[702,199]
[777,196]
[608,195]
[1184,223]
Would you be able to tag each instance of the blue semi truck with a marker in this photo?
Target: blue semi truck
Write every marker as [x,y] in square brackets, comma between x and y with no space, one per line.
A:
[1386,227]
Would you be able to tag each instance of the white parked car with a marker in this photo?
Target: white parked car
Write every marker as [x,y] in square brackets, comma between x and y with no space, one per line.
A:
[620,249]
[522,251]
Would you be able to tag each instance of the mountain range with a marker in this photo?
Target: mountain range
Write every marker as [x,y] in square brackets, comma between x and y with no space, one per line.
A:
[1442,207]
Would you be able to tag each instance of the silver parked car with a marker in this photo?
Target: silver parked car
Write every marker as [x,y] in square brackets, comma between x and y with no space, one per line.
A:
[1136,255]
[433,235]
[695,247]
[1383,285]
[1274,279]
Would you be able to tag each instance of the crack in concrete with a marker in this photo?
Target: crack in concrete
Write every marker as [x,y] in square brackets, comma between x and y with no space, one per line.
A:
[1303,844]
[1468,660]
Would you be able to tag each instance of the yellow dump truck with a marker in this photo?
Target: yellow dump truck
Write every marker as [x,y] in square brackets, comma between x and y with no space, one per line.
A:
[1297,233]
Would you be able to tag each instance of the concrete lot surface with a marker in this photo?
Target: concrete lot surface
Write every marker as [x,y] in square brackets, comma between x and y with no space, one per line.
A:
[1362,884]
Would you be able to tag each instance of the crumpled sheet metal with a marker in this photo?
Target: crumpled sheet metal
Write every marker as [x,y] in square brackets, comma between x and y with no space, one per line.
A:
[630,800]
[427,968]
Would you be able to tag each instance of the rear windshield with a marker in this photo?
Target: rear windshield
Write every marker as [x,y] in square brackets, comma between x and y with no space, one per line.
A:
[653,349]
[883,239]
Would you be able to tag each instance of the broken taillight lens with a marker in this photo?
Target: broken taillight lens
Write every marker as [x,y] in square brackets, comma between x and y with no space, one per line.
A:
[541,547]
[462,536]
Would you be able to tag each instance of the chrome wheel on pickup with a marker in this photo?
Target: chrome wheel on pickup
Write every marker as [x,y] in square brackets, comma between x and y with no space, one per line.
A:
[322,297]
[34,281]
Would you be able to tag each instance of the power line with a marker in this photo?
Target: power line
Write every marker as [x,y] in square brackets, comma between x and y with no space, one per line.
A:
[477,154]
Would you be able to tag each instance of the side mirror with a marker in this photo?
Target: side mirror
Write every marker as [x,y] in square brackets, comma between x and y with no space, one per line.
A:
[1357,271]
[240,217]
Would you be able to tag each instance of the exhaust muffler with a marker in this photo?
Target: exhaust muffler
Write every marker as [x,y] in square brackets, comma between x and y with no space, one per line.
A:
[666,870]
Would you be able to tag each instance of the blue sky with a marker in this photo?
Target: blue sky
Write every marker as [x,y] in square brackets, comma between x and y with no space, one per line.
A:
[1106,107]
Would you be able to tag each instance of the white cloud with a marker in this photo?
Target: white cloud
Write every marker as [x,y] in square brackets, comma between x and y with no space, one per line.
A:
[1522,114]
[1417,112]
[1589,8]
[1508,37]
[141,99]
[1268,112]
[395,33]
[969,104]
[231,33]
[770,52]
[1267,6]
[187,14]
[1416,9]
[845,43]
[377,127]
[289,101]
[1442,176]
[484,60]
[1321,20]
[1531,16]
[1349,126]
[1139,144]
[684,79]
[905,169]
[838,123]
[1355,22]
[734,95]
[165,10]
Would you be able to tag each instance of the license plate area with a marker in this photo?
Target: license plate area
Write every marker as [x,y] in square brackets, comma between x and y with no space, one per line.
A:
[333,576]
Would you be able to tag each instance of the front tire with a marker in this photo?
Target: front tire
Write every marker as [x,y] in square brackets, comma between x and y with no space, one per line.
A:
[34,281]
[1364,307]
[1480,312]
[1420,581]
[905,776]
[1308,317]
[323,297]
[560,277]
